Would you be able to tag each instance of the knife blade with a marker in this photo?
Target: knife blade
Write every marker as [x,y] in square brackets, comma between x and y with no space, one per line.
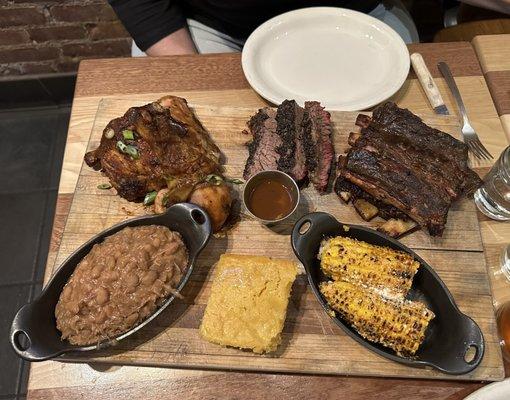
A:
[428,84]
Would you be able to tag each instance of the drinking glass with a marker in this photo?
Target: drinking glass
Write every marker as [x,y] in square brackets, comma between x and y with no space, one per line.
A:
[505,262]
[493,198]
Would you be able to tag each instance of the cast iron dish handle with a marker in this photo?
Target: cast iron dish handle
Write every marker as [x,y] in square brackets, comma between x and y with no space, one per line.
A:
[304,226]
[450,354]
[29,340]
[468,336]
[34,335]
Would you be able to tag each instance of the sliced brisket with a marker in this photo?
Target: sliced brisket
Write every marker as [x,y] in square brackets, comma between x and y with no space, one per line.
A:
[289,119]
[294,140]
[319,149]
[265,141]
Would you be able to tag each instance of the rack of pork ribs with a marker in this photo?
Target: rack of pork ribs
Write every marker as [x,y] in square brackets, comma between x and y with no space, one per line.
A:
[404,171]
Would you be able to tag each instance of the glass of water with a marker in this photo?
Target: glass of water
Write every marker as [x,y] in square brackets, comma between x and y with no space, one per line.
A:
[505,262]
[493,198]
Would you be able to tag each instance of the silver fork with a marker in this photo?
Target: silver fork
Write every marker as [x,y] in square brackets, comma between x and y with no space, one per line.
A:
[468,133]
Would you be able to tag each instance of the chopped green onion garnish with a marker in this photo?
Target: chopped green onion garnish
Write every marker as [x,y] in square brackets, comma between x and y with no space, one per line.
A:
[218,180]
[149,198]
[214,179]
[128,149]
[128,135]
[104,186]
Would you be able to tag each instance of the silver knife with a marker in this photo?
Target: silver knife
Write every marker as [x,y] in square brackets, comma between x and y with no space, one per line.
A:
[428,84]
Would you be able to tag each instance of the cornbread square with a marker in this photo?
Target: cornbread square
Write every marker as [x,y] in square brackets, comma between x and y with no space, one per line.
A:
[248,302]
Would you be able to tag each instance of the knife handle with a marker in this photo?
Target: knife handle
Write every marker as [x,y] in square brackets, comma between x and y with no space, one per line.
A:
[426,80]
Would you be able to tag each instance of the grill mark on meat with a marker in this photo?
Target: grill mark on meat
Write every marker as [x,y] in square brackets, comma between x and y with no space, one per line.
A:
[319,149]
[265,140]
[310,140]
[289,118]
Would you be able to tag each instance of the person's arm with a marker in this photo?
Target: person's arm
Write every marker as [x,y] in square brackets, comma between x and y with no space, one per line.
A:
[178,42]
[502,6]
[157,26]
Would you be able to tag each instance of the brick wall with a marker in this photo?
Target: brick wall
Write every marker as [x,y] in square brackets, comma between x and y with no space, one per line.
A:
[53,36]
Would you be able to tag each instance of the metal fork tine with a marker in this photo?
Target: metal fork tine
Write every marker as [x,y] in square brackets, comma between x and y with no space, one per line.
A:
[484,149]
[487,157]
[468,144]
[470,137]
[475,147]
[479,146]
[473,150]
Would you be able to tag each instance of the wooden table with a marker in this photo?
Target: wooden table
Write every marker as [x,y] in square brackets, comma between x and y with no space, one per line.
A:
[196,77]
[493,51]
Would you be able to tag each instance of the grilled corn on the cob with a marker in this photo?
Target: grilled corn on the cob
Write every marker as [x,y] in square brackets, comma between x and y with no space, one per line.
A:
[397,324]
[354,261]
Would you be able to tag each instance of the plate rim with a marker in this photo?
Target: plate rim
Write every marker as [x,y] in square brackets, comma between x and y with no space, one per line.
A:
[248,53]
[487,390]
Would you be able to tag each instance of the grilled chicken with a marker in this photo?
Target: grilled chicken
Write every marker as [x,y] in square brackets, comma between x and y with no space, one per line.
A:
[158,145]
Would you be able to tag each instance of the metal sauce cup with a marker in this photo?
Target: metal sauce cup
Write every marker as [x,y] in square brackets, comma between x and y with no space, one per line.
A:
[273,175]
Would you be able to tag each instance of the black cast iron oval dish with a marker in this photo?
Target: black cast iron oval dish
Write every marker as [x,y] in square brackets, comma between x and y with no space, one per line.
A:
[37,320]
[449,335]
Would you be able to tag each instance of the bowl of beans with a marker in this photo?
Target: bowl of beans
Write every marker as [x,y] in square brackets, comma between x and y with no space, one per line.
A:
[113,285]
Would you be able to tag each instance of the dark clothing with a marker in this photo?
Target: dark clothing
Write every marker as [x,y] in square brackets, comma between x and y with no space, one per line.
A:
[149,21]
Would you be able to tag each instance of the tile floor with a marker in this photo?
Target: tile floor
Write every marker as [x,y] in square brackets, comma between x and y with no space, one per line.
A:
[32,142]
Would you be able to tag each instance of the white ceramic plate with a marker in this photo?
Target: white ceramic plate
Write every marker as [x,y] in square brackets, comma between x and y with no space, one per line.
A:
[494,391]
[345,59]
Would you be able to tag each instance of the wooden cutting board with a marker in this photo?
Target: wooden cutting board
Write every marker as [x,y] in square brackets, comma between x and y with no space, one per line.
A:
[312,343]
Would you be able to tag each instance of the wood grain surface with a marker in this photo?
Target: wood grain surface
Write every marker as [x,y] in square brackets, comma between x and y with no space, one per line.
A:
[466,31]
[493,52]
[222,72]
[156,383]
[309,334]
[499,85]
[56,380]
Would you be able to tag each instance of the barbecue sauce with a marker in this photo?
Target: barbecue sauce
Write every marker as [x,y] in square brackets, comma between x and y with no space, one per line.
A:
[270,200]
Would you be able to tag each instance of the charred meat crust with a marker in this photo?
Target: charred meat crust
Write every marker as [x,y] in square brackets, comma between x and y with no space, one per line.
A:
[386,211]
[318,143]
[171,146]
[289,119]
[294,140]
[400,161]
[265,140]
